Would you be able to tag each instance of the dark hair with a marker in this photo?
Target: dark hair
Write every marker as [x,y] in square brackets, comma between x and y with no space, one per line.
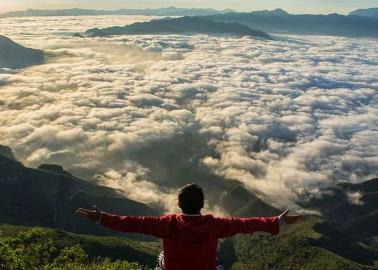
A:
[191,199]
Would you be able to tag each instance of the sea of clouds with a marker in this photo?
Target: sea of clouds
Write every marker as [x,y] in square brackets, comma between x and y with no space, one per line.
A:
[286,117]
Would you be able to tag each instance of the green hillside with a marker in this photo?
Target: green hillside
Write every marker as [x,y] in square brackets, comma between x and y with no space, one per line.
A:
[25,248]
[310,245]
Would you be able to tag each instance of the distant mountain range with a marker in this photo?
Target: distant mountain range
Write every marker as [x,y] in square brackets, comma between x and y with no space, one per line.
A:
[182,25]
[359,23]
[168,11]
[13,55]
[280,22]
[257,24]
[369,12]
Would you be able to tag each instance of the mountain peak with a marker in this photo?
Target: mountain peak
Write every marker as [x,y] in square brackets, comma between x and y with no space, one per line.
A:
[7,152]
[54,168]
[274,12]
[279,11]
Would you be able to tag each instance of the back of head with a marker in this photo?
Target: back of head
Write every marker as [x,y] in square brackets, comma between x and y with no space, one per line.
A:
[191,199]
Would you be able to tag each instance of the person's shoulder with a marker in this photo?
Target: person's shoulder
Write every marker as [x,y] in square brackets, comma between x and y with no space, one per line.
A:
[208,217]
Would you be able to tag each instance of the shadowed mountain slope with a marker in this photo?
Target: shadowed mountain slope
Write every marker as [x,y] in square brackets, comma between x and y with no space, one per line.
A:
[353,208]
[48,196]
[7,152]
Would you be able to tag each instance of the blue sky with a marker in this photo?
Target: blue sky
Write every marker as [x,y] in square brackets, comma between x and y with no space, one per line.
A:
[294,6]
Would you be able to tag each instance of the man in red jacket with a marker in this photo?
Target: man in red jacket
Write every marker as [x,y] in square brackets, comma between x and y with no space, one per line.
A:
[190,238]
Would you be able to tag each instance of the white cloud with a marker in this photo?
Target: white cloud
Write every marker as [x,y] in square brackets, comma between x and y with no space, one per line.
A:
[355,198]
[284,118]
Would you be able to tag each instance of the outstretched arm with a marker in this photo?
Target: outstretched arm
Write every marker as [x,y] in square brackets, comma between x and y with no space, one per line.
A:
[230,226]
[156,226]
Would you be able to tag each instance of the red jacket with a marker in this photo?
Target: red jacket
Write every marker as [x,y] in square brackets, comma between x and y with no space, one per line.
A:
[190,242]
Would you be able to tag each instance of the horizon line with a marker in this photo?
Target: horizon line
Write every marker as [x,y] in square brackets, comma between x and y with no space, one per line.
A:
[167,7]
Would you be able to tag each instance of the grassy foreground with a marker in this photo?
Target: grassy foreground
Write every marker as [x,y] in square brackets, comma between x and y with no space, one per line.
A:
[23,248]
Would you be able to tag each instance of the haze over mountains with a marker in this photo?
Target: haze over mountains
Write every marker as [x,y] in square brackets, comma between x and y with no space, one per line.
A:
[276,21]
[281,22]
[169,11]
[359,23]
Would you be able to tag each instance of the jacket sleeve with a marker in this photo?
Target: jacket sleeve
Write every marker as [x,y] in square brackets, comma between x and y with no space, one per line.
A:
[156,226]
[226,227]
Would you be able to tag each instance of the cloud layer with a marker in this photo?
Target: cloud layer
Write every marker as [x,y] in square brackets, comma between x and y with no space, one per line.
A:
[285,118]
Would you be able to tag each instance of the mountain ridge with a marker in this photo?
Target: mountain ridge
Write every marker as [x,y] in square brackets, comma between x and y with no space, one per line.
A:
[368,12]
[284,23]
[274,12]
[181,25]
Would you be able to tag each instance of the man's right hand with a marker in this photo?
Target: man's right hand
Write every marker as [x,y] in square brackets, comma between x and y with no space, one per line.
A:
[290,219]
[94,215]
